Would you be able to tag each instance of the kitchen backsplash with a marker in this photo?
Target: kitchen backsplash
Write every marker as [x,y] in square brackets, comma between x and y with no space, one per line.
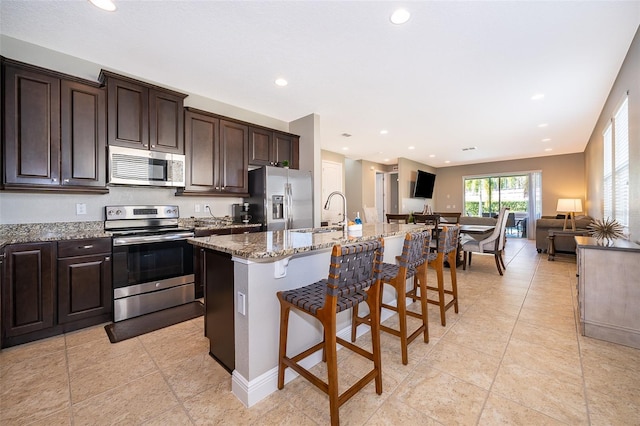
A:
[45,208]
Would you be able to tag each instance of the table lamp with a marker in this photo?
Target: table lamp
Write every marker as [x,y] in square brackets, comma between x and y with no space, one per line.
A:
[569,206]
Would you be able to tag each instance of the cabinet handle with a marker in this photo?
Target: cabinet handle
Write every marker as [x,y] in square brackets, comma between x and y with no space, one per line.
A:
[54,180]
[66,181]
[223,187]
[107,258]
[86,247]
[153,146]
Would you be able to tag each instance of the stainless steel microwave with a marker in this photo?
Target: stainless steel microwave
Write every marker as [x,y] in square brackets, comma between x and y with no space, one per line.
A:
[129,166]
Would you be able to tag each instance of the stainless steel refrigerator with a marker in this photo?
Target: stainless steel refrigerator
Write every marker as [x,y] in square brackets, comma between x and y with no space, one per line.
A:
[280,198]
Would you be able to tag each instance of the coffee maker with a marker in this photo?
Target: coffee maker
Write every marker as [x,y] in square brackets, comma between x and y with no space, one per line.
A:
[241,213]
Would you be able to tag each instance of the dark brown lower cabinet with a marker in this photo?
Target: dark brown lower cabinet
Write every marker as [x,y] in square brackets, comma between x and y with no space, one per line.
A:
[50,288]
[84,281]
[28,292]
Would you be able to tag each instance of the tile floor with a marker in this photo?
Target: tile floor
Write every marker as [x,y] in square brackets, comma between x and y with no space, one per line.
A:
[511,356]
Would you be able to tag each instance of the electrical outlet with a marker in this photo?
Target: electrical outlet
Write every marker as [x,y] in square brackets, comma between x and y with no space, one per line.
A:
[81,208]
[196,208]
[207,207]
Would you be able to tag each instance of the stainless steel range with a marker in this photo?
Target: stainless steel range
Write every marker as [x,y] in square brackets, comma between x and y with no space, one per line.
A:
[152,261]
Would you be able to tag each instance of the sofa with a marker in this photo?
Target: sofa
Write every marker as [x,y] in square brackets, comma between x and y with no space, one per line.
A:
[563,243]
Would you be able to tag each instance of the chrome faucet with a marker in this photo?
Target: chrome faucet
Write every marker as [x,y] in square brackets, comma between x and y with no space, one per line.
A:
[344,222]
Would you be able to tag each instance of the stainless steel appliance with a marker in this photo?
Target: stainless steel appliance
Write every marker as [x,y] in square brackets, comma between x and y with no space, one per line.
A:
[281,198]
[242,213]
[152,261]
[140,167]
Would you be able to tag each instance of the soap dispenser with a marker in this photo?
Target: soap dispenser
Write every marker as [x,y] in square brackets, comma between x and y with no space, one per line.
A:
[357,220]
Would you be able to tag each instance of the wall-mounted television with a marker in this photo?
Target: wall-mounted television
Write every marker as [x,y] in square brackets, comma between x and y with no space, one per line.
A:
[424,185]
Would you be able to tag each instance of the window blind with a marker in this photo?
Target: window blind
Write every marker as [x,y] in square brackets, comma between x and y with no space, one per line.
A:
[621,162]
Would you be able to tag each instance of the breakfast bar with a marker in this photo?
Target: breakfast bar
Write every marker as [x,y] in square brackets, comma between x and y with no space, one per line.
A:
[242,274]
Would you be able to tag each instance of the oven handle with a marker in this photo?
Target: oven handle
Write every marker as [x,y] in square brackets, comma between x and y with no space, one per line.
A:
[149,239]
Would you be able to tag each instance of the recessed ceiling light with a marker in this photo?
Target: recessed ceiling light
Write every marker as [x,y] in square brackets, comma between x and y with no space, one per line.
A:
[548,149]
[432,155]
[537,96]
[345,148]
[542,125]
[107,5]
[546,139]
[412,147]
[281,82]
[400,16]
[386,159]
[384,132]
[447,161]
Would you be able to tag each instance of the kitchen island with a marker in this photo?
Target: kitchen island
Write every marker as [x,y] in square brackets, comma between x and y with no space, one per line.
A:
[242,274]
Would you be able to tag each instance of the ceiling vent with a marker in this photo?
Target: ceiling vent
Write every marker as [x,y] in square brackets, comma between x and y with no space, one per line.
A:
[471,148]
[346,135]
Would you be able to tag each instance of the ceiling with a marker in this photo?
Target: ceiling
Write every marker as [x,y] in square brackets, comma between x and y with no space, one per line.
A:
[457,75]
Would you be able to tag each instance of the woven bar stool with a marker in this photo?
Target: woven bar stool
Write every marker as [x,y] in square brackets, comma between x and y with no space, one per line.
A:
[447,247]
[354,277]
[412,262]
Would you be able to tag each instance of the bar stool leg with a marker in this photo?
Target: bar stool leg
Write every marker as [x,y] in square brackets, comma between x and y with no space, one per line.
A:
[282,352]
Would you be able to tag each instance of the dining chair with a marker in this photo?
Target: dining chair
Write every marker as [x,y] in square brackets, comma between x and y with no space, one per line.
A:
[449,217]
[354,277]
[511,222]
[397,218]
[412,262]
[493,244]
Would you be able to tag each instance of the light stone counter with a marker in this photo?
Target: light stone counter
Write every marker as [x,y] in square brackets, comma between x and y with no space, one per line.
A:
[263,264]
[272,245]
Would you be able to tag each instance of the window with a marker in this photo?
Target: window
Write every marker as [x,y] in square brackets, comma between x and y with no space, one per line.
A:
[616,166]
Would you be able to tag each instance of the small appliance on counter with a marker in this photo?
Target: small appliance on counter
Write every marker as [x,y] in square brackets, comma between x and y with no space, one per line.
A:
[241,213]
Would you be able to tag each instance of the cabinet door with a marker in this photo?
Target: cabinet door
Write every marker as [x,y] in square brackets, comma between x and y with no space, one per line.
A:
[285,147]
[32,127]
[260,147]
[84,133]
[234,164]
[201,150]
[84,287]
[128,114]
[166,122]
[28,288]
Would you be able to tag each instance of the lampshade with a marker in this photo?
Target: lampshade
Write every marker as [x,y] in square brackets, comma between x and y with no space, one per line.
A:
[569,205]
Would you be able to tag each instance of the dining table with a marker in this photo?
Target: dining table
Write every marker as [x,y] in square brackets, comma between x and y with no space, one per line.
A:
[474,231]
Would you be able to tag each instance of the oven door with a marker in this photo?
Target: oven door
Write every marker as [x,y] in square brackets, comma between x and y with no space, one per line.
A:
[141,263]
[150,276]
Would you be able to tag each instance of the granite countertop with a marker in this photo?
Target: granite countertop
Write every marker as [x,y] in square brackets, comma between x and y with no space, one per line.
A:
[58,231]
[271,245]
[54,231]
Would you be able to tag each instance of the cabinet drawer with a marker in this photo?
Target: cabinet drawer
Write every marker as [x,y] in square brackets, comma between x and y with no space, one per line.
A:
[72,248]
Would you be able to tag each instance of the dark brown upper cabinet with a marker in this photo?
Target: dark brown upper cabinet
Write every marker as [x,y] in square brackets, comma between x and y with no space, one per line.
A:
[216,152]
[143,116]
[271,148]
[54,131]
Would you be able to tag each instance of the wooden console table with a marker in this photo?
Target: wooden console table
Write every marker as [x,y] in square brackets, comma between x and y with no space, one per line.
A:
[552,242]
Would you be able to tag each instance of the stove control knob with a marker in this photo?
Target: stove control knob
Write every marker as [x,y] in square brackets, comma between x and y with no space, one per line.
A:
[118,212]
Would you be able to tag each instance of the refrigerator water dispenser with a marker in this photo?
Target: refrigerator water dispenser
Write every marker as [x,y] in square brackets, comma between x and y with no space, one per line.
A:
[278,206]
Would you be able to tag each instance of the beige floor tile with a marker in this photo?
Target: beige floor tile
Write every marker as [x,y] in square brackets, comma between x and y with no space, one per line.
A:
[464,363]
[30,350]
[176,347]
[284,414]
[501,411]
[86,335]
[606,353]
[557,339]
[176,416]
[132,403]
[395,412]
[111,373]
[607,409]
[195,375]
[489,341]
[442,396]
[217,405]
[543,359]
[558,396]
[100,350]
[34,388]
[59,418]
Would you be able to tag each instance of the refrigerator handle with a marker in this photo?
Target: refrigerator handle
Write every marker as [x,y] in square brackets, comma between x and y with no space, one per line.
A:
[289,205]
